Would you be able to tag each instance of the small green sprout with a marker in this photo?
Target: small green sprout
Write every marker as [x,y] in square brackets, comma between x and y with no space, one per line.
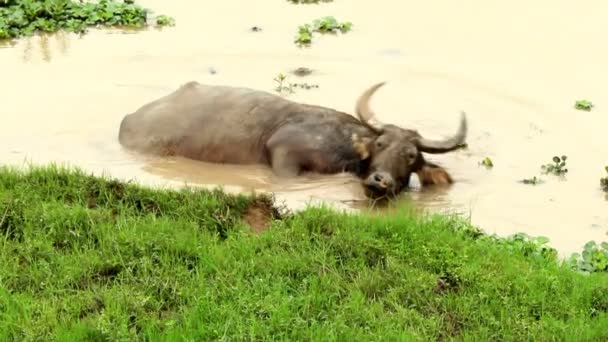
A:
[282,84]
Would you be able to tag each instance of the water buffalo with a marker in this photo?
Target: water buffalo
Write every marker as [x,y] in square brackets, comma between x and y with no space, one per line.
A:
[238,125]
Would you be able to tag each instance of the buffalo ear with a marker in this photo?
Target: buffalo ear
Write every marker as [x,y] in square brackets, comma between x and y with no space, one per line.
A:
[431,174]
[361,146]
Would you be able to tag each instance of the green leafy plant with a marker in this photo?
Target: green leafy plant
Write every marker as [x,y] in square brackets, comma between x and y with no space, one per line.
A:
[304,35]
[604,180]
[583,105]
[593,259]
[558,167]
[329,24]
[487,162]
[20,18]
[323,25]
[528,245]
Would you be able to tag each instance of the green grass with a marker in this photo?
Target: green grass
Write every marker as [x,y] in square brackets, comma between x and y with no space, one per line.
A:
[19,18]
[86,258]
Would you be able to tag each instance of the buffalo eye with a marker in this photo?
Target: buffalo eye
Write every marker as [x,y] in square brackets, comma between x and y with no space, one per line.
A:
[409,156]
[379,144]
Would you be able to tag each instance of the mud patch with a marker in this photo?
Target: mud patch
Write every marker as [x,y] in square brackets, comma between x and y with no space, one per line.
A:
[259,215]
[302,71]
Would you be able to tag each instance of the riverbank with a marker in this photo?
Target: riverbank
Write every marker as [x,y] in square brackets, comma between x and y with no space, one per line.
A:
[85,257]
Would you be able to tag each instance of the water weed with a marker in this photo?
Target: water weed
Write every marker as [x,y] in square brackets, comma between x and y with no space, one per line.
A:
[558,167]
[532,180]
[487,162]
[585,105]
[91,258]
[604,180]
[323,25]
[20,18]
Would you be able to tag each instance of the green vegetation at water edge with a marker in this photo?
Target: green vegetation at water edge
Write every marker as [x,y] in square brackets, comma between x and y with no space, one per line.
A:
[87,258]
[25,17]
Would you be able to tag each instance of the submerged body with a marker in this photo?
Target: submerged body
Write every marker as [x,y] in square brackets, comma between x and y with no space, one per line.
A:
[237,125]
[221,124]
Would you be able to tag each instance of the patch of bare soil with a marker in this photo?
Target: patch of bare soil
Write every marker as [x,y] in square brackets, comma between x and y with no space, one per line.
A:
[260,214]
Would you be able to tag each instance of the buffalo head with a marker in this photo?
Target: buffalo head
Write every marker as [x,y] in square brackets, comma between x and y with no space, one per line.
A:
[395,153]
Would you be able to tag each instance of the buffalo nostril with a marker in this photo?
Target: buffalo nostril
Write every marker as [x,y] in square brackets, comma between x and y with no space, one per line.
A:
[381,181]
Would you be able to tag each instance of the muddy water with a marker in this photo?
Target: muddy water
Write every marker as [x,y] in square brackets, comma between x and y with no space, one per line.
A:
[516,68]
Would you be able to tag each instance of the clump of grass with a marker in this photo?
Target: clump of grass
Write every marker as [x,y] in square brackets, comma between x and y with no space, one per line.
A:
[20,18]
[325,25]
[558,167]
[604,180]
[585,105]
[88,258]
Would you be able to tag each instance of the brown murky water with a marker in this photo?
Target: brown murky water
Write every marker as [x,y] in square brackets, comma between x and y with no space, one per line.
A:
[515,67]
